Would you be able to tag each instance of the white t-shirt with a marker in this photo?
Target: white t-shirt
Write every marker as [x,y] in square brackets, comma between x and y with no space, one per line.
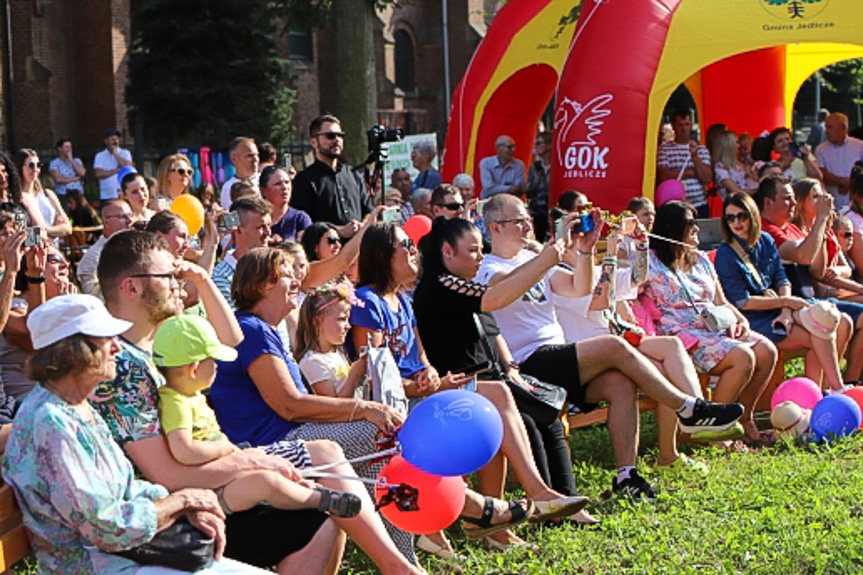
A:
[225,195]
[108,187]
[529,322]
[576,318]
[332,366]
[838,160]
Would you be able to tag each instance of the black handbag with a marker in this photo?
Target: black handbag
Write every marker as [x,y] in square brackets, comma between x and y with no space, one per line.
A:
[181,546]
[542,403]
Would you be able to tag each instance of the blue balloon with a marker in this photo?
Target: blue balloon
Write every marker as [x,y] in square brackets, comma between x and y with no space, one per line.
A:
[124,171]
[835,416]
[454,432]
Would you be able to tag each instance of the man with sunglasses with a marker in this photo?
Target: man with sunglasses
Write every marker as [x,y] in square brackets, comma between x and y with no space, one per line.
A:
[329,190]
[108,163]
[116,217]
[447,201]
[246,160]
[502,173]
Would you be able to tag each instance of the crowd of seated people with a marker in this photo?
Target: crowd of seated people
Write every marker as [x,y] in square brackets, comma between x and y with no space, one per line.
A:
[205,372]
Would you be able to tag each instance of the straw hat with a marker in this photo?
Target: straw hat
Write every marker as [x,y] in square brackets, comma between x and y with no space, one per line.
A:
[790,419]
[821,319]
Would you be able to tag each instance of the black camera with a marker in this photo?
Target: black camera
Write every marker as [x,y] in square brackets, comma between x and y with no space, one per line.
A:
[378,135]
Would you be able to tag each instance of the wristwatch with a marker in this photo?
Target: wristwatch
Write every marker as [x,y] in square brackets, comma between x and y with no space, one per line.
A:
[513,365]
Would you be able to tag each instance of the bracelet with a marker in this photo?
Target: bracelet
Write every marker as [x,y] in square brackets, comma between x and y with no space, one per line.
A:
[36,280]
[513,365]
[589,254]
[354,410]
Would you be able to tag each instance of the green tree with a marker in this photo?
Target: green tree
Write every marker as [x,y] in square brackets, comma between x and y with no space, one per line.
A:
[204,71]
[353,24]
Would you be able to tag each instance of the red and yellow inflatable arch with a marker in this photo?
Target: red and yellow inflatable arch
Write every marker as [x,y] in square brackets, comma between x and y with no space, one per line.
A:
[743,61]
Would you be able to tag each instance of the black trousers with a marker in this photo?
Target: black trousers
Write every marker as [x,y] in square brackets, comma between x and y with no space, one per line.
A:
[551,453]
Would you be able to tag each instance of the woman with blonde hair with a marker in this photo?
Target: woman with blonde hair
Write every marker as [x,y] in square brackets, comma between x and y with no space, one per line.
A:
[730,175]
[42,205]
[174,177]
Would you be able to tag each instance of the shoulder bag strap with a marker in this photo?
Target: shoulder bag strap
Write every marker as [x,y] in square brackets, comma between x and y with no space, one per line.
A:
[686,291]
[741,253]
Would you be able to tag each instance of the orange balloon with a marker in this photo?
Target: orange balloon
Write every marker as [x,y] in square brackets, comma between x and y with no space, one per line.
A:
[191,210]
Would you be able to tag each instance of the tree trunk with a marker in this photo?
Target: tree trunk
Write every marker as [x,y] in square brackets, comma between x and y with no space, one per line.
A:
[356,98]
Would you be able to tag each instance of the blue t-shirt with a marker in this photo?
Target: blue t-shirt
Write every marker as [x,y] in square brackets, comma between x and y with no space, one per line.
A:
[430,179]
[291,224]
[242,413]
[398,328]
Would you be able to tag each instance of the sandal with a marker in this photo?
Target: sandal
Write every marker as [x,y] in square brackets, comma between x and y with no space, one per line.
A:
[518,514]
[339,503]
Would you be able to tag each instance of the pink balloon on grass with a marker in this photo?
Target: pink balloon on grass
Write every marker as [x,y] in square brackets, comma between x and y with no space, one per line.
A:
[800,390]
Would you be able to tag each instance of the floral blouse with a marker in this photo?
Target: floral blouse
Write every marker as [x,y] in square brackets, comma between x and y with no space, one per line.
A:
[76,489]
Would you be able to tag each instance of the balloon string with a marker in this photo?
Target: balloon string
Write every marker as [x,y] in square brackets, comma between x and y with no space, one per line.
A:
[370,457]
[690,246]
[310,474]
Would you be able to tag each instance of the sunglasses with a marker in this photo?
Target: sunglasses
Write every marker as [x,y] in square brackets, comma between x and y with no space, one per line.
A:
[33,166]
[455,206]
[739,217]
[848,235]
[165,275]
[331,135]
[408,244]
[55,259]
[689,222]
[184,171]
[332,241]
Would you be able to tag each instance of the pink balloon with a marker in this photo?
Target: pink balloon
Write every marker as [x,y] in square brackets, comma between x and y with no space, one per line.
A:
[669,190]
[800,390]
[417,226]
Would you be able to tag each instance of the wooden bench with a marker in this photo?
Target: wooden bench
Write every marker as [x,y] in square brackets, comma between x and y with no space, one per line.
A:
[646,404]
[14,545]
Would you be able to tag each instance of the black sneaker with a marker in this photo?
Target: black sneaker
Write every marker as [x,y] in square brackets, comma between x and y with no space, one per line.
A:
[634,487]
[709,416]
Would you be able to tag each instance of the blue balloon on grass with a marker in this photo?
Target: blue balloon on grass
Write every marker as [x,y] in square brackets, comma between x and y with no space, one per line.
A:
[125,171]
[835,416]
[454,432]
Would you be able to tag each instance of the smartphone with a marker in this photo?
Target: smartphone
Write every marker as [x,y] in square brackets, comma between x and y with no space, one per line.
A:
[20,220]
[229,221]
[34,237]
[476,368]
[286,161]
[480,206]
[391,214]
[795,150]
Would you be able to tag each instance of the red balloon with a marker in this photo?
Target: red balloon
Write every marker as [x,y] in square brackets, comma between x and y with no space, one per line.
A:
[417,226]
[440,499]
[856,393]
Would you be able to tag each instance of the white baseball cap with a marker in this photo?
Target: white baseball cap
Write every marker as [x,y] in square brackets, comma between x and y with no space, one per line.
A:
[66,315]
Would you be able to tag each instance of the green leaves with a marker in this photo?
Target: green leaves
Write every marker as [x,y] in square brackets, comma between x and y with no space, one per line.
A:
[204,71]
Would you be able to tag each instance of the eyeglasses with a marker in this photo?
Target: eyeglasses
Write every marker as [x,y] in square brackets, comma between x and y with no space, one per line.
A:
[55,259]
[164,275]
[331,135]
[739,216]
[184,171]
[332,241]
[408,244]
[121,216]
[455,206]
[521,222]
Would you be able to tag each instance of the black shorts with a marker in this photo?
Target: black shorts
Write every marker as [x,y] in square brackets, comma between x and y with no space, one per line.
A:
[558,364]
[264,535]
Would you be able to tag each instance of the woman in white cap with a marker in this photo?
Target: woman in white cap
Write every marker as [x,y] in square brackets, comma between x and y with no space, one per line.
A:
[77,491]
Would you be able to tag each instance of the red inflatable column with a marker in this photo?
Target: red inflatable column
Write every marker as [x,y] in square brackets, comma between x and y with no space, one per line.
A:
[602,99]
[745,92]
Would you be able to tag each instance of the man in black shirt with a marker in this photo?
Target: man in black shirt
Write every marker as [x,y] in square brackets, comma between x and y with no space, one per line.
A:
[328,190]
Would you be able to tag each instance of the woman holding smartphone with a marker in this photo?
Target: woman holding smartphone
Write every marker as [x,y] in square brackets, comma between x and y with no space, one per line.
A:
[752,276]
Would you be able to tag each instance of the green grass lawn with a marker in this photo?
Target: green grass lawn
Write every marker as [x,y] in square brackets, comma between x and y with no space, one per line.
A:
[786,509]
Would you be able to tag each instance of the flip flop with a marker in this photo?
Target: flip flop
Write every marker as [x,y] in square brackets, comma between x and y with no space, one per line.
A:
[518,515]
